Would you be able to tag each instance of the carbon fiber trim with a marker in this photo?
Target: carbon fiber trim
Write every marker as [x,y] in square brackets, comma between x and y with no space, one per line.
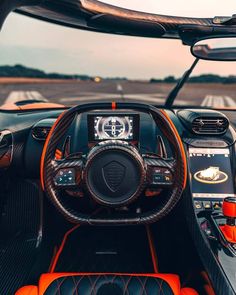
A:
[166,127]
[167,21]
[96,16]
[167,163]
[20,230]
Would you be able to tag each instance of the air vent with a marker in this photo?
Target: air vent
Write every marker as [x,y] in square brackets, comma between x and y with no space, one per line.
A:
[40,132]
[210,125]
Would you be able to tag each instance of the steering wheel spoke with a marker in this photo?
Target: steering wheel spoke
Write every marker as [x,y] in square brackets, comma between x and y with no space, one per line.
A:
[160,171]
[67,172]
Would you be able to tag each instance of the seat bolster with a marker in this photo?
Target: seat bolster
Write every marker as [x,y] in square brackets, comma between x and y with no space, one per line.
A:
[47,279]
[28,290]
[188,291]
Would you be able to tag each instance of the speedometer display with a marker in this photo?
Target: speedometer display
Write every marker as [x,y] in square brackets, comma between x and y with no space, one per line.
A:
[118,126]
[113,127]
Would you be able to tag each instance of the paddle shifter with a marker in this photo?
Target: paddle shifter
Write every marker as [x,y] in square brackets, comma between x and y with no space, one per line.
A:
[229,211]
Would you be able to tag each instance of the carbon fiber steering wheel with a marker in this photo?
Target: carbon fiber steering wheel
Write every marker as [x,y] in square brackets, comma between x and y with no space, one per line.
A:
[113,173]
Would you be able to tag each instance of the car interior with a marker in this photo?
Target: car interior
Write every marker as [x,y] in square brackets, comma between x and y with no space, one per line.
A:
[112,196]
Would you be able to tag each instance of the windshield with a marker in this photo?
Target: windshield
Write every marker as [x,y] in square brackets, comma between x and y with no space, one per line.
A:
[49,63]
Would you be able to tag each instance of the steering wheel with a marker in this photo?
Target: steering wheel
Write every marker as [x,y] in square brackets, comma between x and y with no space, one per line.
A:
[114,172]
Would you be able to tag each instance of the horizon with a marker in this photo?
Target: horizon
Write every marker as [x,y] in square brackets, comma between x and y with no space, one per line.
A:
[77,75]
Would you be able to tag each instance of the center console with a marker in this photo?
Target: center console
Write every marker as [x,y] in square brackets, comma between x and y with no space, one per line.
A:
[212,175]
[211,149]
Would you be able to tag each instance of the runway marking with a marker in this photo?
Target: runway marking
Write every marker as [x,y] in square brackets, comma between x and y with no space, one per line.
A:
[16,96]
[230,101]
[218,101]
[158,98]
[119,87]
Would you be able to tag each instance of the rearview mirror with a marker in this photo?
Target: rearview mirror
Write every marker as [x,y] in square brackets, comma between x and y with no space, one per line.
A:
[223,49]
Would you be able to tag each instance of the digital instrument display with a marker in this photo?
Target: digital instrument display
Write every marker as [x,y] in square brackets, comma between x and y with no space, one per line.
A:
[103,127]
[211,173]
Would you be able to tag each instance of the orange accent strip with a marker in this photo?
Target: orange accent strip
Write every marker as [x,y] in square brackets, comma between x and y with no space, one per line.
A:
[47,279]
[28,290]
[54,263]
[152,249]
[207,286]
[53,257]
[45,148]
[180,144]
[188,291]
[113,105]
[152,193]
[208,290]
[32,106]
[58,154]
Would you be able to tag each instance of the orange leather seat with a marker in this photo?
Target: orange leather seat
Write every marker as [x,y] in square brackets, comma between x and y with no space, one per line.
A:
[107,284]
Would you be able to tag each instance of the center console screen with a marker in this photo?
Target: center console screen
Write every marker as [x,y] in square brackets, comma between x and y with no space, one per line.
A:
[211,173]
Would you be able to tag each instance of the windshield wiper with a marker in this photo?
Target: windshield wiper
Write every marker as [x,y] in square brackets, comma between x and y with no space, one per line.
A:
[175,91]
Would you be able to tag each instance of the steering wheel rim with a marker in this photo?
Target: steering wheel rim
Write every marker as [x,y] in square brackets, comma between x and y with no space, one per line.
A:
[58,131]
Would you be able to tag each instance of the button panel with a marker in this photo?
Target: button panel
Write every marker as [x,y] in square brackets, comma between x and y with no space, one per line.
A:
[217,205]
[198,205]
[65,177]
[161,176]
[208,205]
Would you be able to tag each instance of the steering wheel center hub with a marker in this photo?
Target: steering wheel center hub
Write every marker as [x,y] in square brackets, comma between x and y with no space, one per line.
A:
[114,173]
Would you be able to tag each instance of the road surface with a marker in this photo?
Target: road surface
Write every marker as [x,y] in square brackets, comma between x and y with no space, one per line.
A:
[73,92]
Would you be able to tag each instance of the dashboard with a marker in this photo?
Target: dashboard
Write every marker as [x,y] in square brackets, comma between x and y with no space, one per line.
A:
[211,157]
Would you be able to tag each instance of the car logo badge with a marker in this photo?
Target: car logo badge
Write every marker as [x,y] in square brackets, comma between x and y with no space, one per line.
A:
[211,175]
[113,175]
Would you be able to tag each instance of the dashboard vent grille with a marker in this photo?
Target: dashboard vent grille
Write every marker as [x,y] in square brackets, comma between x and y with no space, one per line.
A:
[40,133]
[210,125]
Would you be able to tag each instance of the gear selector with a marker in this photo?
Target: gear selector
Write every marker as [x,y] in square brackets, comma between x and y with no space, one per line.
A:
[229,211]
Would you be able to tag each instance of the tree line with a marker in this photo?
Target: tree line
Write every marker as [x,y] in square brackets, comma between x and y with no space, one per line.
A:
[204,78]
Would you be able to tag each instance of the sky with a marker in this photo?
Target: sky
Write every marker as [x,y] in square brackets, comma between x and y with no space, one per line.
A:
[54,48]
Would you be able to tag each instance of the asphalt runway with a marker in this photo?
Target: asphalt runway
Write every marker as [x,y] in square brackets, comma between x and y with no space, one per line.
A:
[74,92]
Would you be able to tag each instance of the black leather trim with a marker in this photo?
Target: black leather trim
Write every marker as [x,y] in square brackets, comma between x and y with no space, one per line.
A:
[109,285]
